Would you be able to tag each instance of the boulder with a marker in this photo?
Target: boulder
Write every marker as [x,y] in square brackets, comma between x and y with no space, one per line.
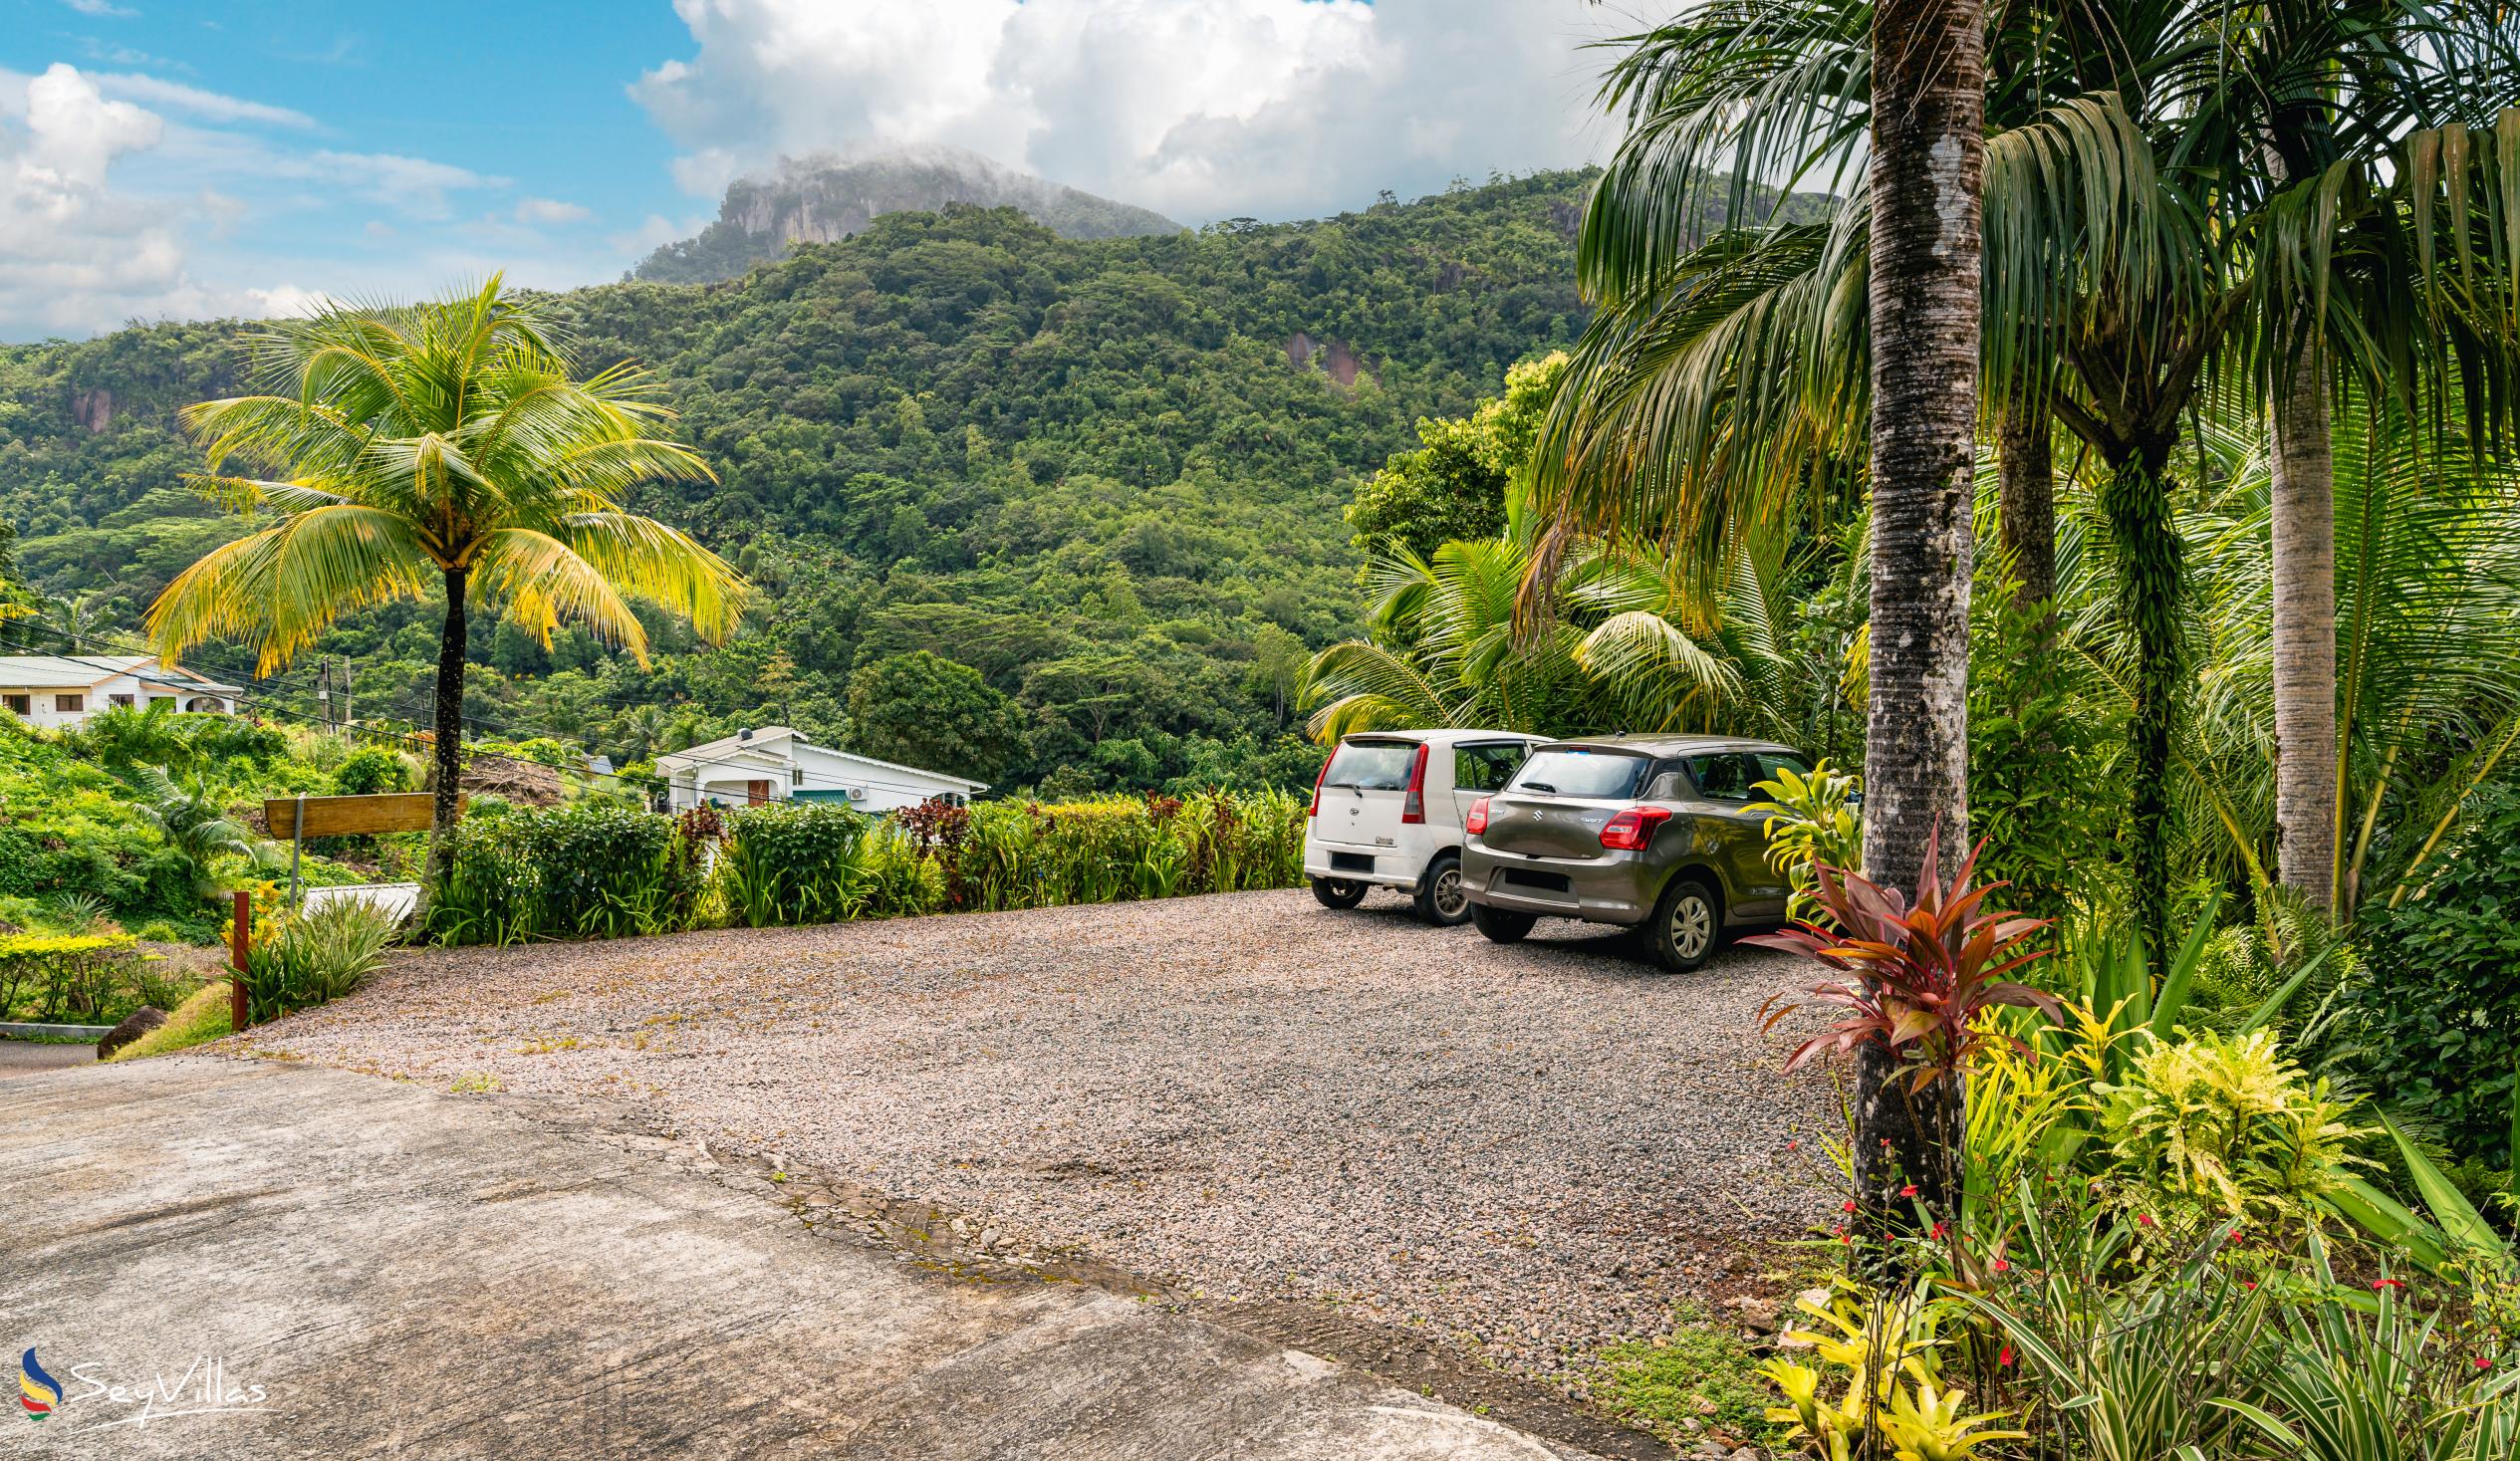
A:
[135,1025]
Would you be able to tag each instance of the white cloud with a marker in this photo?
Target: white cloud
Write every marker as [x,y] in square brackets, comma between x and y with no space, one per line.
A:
[211,106]
[1199,109]
[551,211]
[100,8]
[83,247]
[416,185]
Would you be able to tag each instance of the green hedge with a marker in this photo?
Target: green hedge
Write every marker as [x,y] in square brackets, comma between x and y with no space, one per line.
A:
[77,978]
[582,872]
[591,872]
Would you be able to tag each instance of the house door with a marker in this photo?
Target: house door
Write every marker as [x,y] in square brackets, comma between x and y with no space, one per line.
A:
[756,793]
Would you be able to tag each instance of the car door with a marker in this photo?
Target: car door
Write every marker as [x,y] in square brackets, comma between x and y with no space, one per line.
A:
[1480,768]
[1731,835]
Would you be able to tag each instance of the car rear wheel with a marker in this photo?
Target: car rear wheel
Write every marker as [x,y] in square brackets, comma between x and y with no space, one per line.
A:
[1338,892]
[1687,926]
[1442,899]
[1501,926]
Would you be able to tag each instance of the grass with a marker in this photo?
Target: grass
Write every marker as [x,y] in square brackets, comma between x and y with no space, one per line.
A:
[1698,1373]
[197,1021]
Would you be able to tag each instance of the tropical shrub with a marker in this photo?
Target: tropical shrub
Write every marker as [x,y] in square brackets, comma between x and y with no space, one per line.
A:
[1918,977]
[2045,792]
[373,768]
[2211,1128]
[315,957]
[588,870]
[76,978]
[793,862]
[2436,1008]
[1880,1372]
[1812,823]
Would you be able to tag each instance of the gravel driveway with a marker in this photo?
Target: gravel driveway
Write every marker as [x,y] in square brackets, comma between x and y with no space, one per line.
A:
[1528,1150]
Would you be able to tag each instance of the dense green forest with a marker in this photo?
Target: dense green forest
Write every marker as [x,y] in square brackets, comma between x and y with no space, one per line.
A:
[1081,500]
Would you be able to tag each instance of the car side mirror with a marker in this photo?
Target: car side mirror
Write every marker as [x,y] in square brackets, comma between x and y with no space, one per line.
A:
[1666,788]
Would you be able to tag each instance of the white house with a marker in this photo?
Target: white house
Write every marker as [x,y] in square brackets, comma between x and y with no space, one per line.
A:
[52,690]
[776,764]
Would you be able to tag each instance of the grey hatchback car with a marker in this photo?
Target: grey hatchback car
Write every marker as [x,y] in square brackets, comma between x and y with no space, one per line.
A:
[1653,833]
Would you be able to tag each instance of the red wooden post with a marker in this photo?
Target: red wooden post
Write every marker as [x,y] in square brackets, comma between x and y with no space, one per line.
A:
[238,941]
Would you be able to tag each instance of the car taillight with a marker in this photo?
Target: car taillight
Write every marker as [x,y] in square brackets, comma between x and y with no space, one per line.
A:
[1476,822]
[1315,809]
[1630,831]
[1413,807]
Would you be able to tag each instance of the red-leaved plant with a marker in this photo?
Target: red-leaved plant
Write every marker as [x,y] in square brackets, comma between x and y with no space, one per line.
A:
[1920,974]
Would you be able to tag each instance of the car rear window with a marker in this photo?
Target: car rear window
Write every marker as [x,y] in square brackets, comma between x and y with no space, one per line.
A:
[1373,766]
[1734,776]
[1576,772]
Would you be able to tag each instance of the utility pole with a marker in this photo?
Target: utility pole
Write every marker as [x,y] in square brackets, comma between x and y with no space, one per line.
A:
[347,722]
[324,691]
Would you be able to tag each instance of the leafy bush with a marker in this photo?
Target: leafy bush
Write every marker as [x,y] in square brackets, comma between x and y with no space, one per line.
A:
[315,957]
[589,870]
[1812,823]
[373,768]
[2226,1128]
[2436,1005]
[793,862]
[71,978]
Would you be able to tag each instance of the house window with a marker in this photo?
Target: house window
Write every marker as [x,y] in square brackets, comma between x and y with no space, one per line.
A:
[22,705]
[122,700]
[69,704]
[796,776]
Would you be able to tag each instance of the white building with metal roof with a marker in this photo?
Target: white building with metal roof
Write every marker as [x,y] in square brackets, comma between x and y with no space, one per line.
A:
[776,764]
[57,690]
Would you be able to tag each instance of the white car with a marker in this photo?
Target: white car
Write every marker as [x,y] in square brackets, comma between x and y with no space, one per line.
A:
[1386,811]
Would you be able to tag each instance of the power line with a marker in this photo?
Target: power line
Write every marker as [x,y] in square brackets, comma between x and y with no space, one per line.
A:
[301,718]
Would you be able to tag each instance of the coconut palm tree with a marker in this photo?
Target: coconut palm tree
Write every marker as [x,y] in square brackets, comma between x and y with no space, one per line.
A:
[445,448]
[2338,103]
[1622,643]
[2141,244]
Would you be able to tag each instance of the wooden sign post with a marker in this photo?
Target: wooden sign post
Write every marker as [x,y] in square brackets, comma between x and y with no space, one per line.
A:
[300,817]
[348,815]
[239,939]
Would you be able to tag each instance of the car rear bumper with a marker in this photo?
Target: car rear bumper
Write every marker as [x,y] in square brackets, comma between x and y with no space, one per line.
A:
[1614,889]
[1382,867]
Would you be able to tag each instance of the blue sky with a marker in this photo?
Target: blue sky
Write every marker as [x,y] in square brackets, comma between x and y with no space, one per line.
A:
[192,159]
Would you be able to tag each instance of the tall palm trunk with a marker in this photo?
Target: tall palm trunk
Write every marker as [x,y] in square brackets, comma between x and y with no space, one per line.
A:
[2305,554]
[1927,165]
[446,752]
[2150,576]
[2025,481]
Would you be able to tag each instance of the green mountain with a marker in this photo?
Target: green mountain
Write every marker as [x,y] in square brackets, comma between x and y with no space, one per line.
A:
[826,199]
[1102,476]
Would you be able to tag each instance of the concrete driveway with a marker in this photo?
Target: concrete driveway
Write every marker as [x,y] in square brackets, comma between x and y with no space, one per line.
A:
[218,1257]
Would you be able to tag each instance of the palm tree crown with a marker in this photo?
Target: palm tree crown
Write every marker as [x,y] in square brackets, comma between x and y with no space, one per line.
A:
[446,445]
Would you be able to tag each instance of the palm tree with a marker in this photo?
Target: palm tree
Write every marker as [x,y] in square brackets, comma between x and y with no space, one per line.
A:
[1700,395]
[2136,254]
[2320,163]
[449,447]
[194,828]
[2426,636]
[1622,643]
